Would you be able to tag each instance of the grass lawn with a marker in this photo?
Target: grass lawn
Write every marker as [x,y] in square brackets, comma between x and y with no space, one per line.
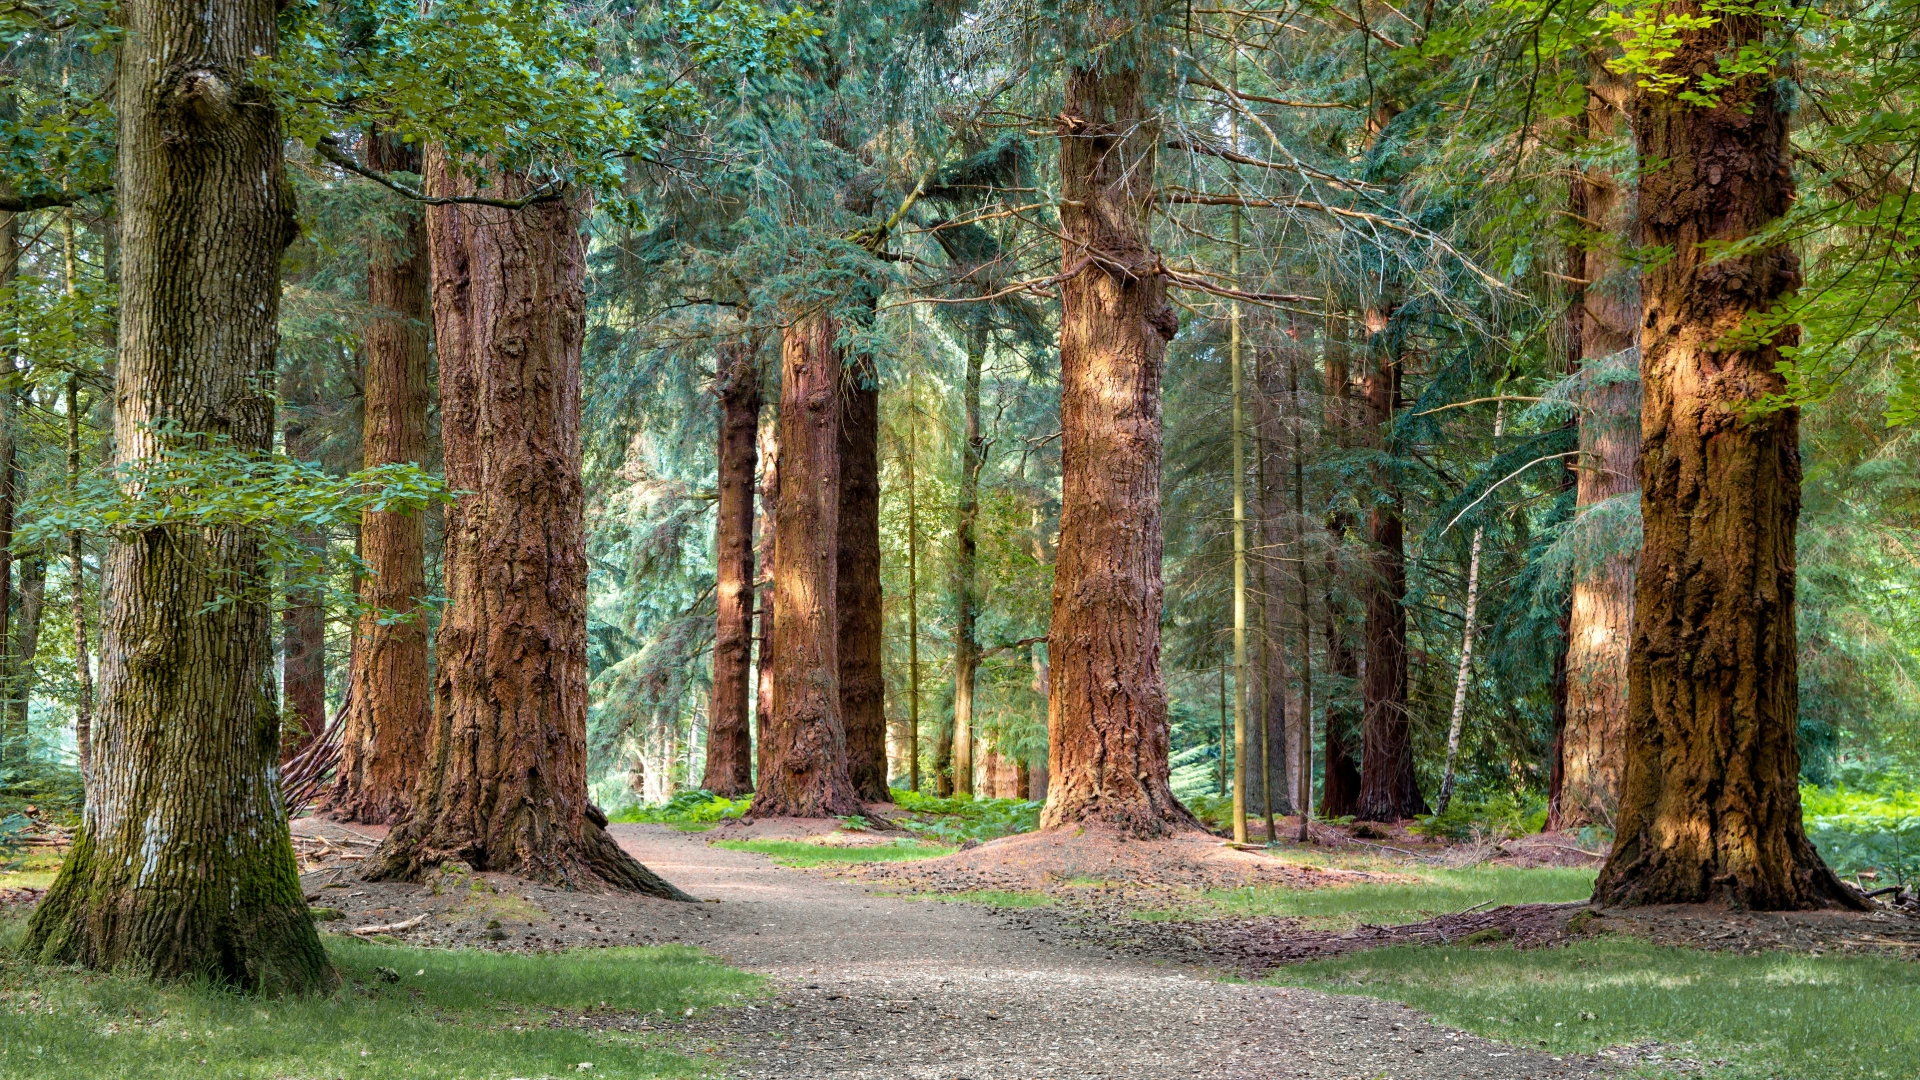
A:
[466,1015]
[1772,1016]
[1439,892]
[801,853]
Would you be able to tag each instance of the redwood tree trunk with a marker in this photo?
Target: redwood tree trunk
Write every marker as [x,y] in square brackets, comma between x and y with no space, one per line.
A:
[389,695]
[804,769]
[1340,791]
[1600,622]
[183,866]
[1388,790]
[506,771]
[863,681]
[729,738]
[966,569]
[1710,805]
[1107,705]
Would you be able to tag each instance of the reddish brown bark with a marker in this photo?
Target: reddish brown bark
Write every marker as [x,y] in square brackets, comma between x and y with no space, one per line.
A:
[1600,620]
[1388,789]
[1710,805]
[1340,790]
[729,769]
[763,615]
[1107,707]
[804,769]
[966,561]
[863,681]
[389,696]
[303,631]
[506,774]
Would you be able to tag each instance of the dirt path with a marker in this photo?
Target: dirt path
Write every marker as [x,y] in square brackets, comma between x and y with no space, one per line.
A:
[875,988]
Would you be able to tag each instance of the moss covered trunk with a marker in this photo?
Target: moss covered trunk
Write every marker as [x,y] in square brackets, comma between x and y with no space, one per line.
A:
[183,866]
[505,784]
[1710,804]
[389,697]
[1107,700]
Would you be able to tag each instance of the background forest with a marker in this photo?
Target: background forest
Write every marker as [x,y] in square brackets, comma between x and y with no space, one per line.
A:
[1390,234]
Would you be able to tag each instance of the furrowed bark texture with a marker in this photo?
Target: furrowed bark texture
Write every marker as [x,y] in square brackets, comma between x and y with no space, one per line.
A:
[389,697]
[183,866]
[804,770]
[729,739]
[1600,622]
[505,784]
[1388,790]
[863,682]
[1710,805]
[1107,704]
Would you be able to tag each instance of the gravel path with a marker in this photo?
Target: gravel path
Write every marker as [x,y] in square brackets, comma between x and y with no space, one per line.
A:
[873,988]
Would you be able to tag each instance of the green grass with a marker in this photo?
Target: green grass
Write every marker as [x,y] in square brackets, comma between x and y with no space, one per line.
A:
[1772,1015]
[1439,892]
[469,1015]
[801,853]
[989,897]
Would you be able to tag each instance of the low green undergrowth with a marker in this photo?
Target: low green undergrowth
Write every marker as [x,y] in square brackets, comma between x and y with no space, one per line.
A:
[959,818]
[1875,832]
[696,807]
[449,1014]
[1499,816]
[1437,892]
[1757,1017]
[803,853]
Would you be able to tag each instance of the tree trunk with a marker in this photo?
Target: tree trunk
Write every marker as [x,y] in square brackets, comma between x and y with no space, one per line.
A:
[26,637]
[1710,805]
[188,730]
[1107,709]
[1388,790]
[303,630]
[805,772]
[389,693]
[966,571]
[1600,625]
[505,784]
[1278,722]
[913,605]
[769,504]
[1037,776]
[729,738]
[863,680]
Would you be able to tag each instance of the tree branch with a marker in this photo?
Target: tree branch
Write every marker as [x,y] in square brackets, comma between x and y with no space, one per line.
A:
[20,204]
[327,148]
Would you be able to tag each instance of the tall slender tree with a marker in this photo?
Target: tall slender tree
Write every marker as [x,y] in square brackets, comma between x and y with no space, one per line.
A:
[858,611]
[389,692]
[729,769]
[966,556]
[188,732]
[1710,807]
[1388,789]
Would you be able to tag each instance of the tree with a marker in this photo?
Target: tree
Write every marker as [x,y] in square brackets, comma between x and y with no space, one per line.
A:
[1710,806]
[389,695]
[1107,700]
[1388,789]
[1605,333]
[187,734]
[505,781]
[729,738]
[966,557]
[804,771]
[303,622]
[857,582]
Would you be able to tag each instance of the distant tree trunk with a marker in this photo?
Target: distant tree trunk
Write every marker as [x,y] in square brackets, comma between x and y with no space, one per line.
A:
[188,729]
[13,743]
[1710,806]
[76,551]
[729,738]
[1600,624]
[303,628]
[805,770]
[1340,788]
[1388,790]
[1277,722]
[913,607]
[1037,776]
[769,504]
[26,637]
[863,680]
[1107,710]
[966,571]
[505,784]
[389,692]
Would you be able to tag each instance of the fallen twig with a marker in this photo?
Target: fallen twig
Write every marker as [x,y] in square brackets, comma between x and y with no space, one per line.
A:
[391,928]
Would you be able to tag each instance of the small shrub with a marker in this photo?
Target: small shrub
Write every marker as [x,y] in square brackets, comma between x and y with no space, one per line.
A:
[687,808]
[1501,816]
[956,819]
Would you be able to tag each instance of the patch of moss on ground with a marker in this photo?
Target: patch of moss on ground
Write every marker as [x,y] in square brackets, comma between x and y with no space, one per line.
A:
[1436,892]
